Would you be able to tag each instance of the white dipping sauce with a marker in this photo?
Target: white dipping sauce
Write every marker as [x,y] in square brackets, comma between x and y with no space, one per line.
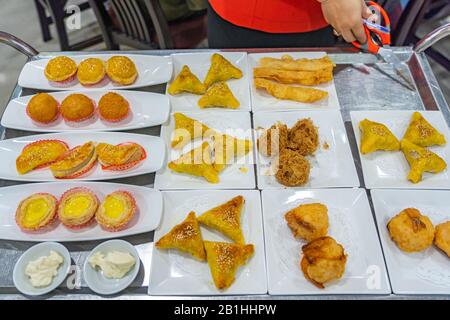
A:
[42,270]
[115,264]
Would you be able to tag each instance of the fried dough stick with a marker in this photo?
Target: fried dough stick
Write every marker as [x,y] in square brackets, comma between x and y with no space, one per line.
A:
[306,78]
[298,65]
[286,92]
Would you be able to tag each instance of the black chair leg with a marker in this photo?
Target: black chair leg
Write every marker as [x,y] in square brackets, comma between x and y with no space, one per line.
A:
[58,14]
[43,21]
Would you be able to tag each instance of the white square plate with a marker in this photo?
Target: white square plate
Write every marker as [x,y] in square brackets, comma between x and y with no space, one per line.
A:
[175,273]
[239,175]
[383,169]
[262,101]
[332,167]
[351,224]
[199,64]
[425,272]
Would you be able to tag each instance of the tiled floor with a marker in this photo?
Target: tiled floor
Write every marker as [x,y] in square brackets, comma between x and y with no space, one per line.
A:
[19,18]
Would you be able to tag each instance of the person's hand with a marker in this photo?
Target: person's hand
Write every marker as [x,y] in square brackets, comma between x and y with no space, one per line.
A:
[346,17]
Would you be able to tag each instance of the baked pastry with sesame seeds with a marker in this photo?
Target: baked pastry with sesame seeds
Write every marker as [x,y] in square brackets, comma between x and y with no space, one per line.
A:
[422,133]
[376,136]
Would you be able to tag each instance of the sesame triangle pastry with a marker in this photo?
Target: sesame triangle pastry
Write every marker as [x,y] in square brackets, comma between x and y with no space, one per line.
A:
[221,70]
[376,136]
[186,81]
[186,130]
[228,148]
[422,133]
[421,160]
[224,259]
[185,236]
[219,95]
[226,219]
[196,162]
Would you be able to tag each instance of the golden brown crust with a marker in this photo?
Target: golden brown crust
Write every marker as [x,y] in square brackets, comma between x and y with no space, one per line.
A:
[113,107]
[60,69]
[186,81]
[77,107]
[40,154]
[121,69]
[306,78]
[308,221]
[91,71]
[293,168]
[75,162]
[289,92]
[43,108]
[442,237]
[221,70]
[273,140]
[304,137]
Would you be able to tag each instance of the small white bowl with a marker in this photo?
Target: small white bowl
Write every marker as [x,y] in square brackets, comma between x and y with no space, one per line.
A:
[95,279]
[21,280]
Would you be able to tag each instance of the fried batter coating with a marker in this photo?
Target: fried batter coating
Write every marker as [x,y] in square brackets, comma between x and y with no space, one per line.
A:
[293,168]
[323,260]
[442,237]
[306,78]
[422,133]
[273,140]
[287,92]
[303,137]
[411,231]
[288,63]
[308,221]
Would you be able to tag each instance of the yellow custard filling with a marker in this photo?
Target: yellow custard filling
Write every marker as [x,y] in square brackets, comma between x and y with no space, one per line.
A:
[35,211]
[77,206]
[113,207]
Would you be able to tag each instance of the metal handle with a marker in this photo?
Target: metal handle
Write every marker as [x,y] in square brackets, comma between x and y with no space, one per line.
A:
[431,38]
[18,44]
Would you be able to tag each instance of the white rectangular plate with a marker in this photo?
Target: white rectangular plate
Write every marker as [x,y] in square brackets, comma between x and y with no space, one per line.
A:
[147,109]
[350,224]
[151,70]
[199,64]
[176,273]
[383,169]
[332,167]
[11,148]
[262,101]
[148,201]
[239,175]
[425,272]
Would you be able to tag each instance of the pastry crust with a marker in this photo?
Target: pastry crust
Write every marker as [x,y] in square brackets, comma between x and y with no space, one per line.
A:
[289,92]
[120,157]
[60,69]
[228,148]
[91,71]
[308,221]
[75,162]
[40,154]
[77,107]
[116,211]
[219,95]
[186,81]
[376,136]
[43,108]
[422,133]
[442,237]
[36,212]
[122,70]
[221,70]
[186,130]
[77,208]
[113,107]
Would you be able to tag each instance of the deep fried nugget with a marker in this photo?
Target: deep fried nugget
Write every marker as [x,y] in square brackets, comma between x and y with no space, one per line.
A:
[219,95]
[221,70]
[323,260]
[287,63]
[422,133]
[411,231]
[186,81]
[442,237]
[306,78]
[376,136]
[308,221]
[293,168]
[287,92]
[273,140]
[303,137]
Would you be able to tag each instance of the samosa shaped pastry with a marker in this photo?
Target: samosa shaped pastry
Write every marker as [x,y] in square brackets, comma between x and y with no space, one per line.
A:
[421,160]
[226,218]
[186,130]
[196,162]
[186,237]
[224,259]
[376,136]
[227,148]
[186,81]
[221,70]
[219,95]
[422,133]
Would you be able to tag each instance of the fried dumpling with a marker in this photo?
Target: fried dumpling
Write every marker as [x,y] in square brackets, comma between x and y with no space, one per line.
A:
[221,70]
[224,259]
[196,162]
[226,218]
[186,130]
[376,136]
[186,81]
[227,148]
[186,237]
[219,95]
[422,133]
[421,160]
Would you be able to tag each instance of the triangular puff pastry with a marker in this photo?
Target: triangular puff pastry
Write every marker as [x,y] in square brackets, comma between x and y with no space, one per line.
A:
[221,70]
[186,130]
[227,148]
[421,160]
[196,162]
[186,237]
[219,95]
[224,259]
[226,218]
[422,133]
[376,136]
[186,81]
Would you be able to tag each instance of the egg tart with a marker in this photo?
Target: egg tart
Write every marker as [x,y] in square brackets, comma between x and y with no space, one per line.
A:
[91,71]
[43,108]
[120,157]
[77,107]
[40,154]
[60,69]
[113,107]
[36,211]
[75,162]
[121,69]
[116,211]
[77,208]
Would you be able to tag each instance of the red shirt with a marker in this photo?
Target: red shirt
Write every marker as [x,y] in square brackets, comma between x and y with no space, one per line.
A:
[274,16]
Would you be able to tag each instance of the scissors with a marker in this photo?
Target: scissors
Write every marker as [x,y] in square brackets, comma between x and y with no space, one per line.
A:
[379,40]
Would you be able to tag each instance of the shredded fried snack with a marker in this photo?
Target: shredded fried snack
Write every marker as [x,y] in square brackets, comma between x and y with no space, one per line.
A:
[304,137]
[287,92]
[273,140]
[186,81]
[293,169]
[219,95]
[306,78]
[221,70]
[288,63]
